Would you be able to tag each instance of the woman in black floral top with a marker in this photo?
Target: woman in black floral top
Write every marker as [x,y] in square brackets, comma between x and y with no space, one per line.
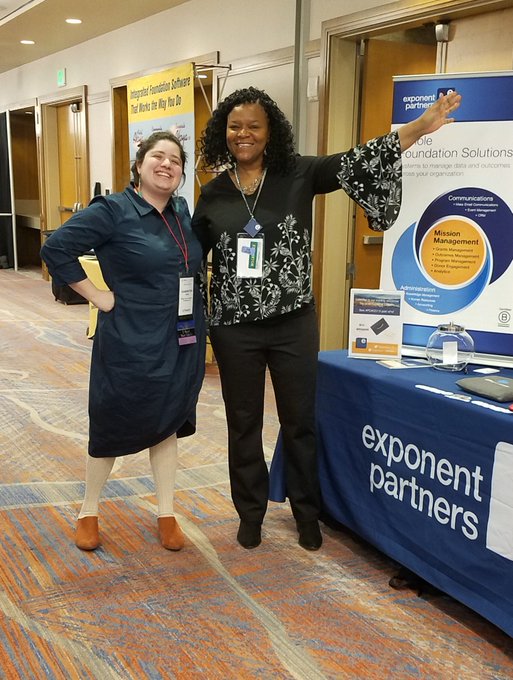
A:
[256,218]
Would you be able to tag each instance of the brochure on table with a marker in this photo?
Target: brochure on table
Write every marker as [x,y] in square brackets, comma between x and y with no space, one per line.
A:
[375,324]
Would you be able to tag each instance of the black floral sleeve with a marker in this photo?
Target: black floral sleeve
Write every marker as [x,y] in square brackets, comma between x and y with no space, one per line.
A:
[371,175]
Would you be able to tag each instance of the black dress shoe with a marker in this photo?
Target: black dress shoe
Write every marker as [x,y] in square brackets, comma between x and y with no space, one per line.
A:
[310,537]
[249,534]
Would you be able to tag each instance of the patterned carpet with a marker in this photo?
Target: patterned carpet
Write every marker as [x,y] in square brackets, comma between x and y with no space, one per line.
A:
[133,610]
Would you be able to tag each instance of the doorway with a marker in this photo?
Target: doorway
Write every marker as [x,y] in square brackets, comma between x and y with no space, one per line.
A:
[334,236]
[347,253]
[7,252]
[63,157]
[27,226]
[406,53]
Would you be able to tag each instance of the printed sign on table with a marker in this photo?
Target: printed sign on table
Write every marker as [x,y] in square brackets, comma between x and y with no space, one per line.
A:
[375,324]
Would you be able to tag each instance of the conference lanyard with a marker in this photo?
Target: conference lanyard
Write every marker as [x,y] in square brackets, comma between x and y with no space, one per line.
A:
[252,227]
[183,248]
[185,325]
[250,243]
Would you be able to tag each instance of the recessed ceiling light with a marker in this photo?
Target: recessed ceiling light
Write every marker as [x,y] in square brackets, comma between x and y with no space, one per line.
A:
[73,21]
[27,42]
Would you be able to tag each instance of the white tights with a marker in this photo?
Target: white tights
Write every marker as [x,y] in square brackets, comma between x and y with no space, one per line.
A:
[163,461]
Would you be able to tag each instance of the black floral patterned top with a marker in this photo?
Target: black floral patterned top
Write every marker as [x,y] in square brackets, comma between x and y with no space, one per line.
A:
[370,174]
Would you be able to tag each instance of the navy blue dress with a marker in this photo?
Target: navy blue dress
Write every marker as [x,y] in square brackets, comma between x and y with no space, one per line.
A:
[144,386]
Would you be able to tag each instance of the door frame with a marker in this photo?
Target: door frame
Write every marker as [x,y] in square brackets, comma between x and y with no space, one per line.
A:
[6,163]
[32,219]
[333,223]
[46,136]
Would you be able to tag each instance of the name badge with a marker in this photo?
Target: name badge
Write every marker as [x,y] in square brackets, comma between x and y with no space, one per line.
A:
[186,296]
[250,256]
[185,326]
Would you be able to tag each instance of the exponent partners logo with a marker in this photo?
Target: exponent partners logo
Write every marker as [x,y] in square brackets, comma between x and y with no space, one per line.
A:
[424,481]
[442,91]
[442,490]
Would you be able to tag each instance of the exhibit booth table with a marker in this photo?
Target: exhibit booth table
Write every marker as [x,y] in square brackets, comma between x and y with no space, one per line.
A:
[421,470]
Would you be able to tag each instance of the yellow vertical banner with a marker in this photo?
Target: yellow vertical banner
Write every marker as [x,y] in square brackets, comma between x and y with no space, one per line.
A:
[164,101]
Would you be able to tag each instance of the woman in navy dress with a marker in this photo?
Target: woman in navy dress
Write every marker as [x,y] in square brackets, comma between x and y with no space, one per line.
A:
[148,354]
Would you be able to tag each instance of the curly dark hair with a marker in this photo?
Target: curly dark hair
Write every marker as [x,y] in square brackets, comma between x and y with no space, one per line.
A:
[280,156]
[148,144]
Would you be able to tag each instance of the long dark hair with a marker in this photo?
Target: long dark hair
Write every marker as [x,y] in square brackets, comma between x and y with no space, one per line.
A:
[280,156]
[148,144]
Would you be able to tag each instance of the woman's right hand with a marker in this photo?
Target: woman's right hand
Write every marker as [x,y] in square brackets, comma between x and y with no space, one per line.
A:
[104,300]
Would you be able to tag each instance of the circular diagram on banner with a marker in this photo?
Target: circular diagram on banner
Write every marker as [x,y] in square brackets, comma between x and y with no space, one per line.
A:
[457,248]
[452,251]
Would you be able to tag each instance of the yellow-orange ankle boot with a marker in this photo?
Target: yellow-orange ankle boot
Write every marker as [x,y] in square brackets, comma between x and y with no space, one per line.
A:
[87,536]
[171,536]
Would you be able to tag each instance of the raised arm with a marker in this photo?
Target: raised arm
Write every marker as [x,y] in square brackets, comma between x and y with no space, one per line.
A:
[431,120]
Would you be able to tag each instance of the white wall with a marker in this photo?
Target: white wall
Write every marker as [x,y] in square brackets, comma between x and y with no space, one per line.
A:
[100,145]
[323,10]
[236,30]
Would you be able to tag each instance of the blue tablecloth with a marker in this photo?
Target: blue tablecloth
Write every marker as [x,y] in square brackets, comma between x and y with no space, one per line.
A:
[423,471]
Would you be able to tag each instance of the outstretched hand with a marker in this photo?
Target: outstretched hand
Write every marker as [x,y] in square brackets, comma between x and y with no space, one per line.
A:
[437,115]
[432,119]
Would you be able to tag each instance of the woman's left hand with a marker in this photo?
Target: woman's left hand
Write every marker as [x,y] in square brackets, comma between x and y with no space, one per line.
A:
[433,118]
[437,115]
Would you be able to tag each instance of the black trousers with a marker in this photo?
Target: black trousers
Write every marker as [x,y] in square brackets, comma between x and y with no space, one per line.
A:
[288,346]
